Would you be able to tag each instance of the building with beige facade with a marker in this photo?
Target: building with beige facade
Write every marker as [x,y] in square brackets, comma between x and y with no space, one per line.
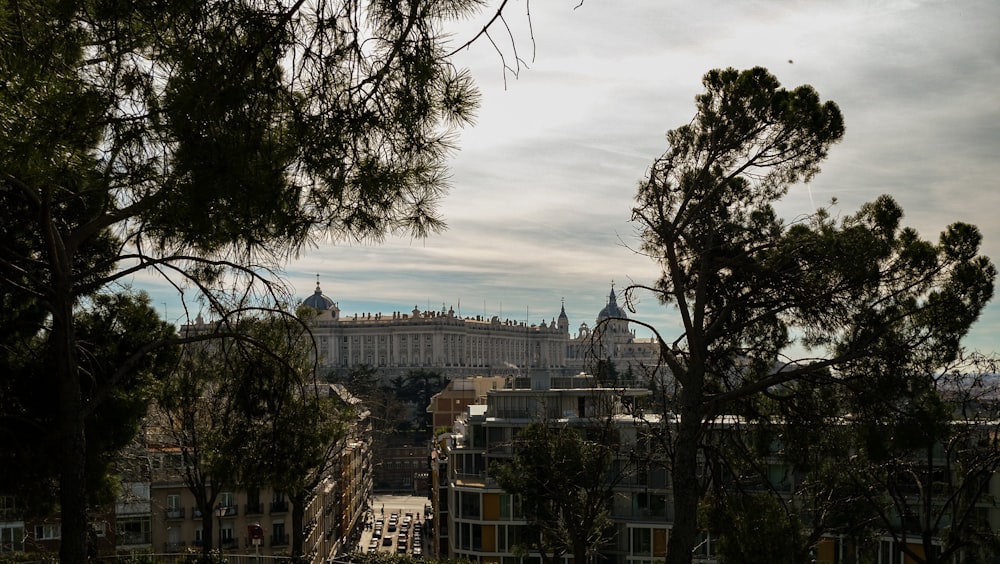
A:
[258,520]
[456,346]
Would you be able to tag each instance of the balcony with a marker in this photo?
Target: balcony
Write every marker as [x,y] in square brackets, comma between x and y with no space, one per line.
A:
[229,510]
[480,479]
[279,540]
[279,507]
[253,508]
[126,538]
[173,513]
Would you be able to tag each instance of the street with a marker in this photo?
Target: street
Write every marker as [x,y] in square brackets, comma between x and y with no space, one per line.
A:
[396,525]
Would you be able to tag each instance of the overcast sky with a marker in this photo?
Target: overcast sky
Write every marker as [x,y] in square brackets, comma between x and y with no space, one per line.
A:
[543,183]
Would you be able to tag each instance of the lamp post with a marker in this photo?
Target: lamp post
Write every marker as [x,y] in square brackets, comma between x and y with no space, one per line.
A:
[220,511]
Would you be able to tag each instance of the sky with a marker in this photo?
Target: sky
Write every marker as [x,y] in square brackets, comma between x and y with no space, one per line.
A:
[542,184]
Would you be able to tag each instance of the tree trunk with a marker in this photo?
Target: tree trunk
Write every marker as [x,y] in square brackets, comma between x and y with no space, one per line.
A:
[208,538]
[298,513]
[550,558]
[684,476]
[72,436]
[580,552]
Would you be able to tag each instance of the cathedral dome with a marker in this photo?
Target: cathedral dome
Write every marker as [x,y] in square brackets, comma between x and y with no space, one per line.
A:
[318,301]
[612,309]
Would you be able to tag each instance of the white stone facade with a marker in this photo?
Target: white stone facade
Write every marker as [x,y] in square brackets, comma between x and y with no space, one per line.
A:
[457,346]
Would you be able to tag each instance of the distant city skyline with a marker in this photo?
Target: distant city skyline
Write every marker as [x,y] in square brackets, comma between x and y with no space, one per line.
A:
[543,183]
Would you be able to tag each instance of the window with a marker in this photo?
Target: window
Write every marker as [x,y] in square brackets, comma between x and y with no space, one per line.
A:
[174,461]
[8,507]
[889,553]
[253,501]
[706,546]
[778,476]
[227,499]
[278,503]
[505,506]
[134,530]
[48,531]
[657,477]
[278,534]
[470,505]
[11,539]
[465,535]
[642,542]
[174,509]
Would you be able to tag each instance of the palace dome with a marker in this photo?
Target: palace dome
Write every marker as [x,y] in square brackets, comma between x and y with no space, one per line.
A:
[318,301]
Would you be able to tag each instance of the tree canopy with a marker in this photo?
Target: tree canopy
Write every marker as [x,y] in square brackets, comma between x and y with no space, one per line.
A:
[864,296]
[194,139]
[245,410]
[113,328]
[564,484]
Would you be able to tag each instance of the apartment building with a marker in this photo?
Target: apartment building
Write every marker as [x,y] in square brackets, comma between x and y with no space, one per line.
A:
[258,520]
[476,519]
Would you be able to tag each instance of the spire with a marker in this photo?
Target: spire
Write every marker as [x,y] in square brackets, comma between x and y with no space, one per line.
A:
[563,319]
[611,309]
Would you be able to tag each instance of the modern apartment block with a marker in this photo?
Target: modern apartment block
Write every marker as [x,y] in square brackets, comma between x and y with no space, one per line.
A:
[476,519]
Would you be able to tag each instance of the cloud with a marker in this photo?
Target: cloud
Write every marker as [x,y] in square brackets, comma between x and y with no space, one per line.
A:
[543,184]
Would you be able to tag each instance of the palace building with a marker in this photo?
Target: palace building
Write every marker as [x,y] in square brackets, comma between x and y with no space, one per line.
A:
[456,346]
